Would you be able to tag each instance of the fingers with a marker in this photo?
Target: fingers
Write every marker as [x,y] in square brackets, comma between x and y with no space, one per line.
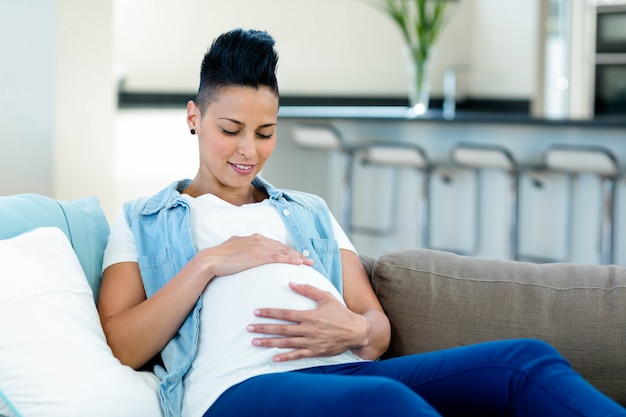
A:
[284,341]
[298,346]
[310,291]
[268,250]
[240,253]
[324,331]
[293,316]
[281,335]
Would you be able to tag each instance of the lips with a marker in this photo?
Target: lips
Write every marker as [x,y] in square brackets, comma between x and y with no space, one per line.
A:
[242,168]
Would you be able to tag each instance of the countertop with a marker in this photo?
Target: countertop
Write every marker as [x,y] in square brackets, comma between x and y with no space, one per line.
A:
[401,113]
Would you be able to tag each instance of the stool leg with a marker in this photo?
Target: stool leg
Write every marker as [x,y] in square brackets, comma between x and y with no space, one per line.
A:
[393,224]
[569,217]
[425,210]
[478,175]
[608,239]
[347,195]
[390,228]
[513,213]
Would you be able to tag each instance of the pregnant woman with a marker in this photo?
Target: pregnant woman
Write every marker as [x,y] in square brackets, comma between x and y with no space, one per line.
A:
[256,303]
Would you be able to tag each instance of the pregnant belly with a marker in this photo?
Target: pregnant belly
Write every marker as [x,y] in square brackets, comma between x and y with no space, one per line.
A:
[225,354]
[229,303]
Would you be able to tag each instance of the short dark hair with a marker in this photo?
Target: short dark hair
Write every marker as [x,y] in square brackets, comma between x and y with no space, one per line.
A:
[241,58]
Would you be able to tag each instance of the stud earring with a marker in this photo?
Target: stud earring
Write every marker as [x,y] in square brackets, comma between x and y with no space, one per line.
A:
[193,131]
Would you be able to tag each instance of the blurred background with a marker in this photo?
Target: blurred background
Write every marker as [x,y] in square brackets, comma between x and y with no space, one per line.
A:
[93,96]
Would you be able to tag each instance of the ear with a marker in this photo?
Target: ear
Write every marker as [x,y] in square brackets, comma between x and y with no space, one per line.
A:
[193,115]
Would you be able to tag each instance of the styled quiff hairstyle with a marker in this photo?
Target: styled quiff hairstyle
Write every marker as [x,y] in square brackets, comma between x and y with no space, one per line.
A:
[239,58]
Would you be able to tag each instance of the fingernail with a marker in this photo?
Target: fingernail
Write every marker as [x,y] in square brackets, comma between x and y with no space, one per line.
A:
[256,342]
[250,328]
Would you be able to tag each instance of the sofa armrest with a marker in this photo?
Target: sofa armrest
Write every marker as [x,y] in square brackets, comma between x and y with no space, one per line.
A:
[437,300]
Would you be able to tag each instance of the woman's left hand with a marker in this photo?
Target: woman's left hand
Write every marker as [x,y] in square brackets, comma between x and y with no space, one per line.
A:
[328,330]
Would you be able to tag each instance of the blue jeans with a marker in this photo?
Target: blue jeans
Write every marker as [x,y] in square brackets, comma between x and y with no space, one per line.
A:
[505,378]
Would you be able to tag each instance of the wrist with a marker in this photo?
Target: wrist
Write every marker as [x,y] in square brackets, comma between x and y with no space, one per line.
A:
[363,337]
[375,335]
[204,266]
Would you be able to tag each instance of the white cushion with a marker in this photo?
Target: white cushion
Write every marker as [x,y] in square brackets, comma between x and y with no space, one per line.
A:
[54,360]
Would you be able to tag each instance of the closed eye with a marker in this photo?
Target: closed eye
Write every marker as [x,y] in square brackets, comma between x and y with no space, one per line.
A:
[229,133]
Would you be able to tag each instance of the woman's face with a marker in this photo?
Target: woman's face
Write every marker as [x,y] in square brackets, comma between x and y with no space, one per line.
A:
[236,135]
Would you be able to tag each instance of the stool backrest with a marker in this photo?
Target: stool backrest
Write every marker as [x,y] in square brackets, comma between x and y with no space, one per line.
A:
[394,154]
[322,137]
[474,156]
[583,160]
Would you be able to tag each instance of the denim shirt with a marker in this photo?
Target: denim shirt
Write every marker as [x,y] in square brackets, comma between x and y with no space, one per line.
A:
[162,232]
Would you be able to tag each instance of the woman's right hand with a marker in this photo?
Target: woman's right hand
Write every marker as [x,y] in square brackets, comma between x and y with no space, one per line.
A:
[240,253]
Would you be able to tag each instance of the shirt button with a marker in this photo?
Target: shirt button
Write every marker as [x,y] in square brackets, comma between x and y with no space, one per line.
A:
[306,252]
[286,212]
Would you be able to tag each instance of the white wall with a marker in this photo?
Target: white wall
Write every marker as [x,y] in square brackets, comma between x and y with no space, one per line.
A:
[84,100]
[329,47]
[503,48]
[26,96]
[57,98]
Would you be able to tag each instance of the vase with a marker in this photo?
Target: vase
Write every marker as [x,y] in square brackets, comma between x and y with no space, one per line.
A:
[419,87]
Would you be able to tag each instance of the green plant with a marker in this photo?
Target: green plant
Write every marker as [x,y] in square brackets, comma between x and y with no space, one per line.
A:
[420,22]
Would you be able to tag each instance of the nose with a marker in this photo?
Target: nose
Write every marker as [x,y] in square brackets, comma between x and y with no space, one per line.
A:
[247,145]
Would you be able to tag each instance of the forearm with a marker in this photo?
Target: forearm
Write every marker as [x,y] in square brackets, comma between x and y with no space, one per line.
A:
[376,336]
[137,334]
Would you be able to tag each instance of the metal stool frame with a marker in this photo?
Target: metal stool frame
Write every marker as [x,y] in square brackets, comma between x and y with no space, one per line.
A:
[397,156]
[479,157]
[574,160]
[327,137]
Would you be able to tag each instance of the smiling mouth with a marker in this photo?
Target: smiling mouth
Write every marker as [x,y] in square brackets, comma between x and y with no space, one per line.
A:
[242,167]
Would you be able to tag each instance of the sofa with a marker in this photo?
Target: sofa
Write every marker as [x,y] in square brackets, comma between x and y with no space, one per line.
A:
[54,360]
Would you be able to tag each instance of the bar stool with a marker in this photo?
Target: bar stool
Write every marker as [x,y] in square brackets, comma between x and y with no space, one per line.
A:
[325,137]
[594,160]
[479,157]
[396,156]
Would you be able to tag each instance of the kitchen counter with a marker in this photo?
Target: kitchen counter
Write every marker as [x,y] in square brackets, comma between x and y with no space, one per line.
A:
[401,113]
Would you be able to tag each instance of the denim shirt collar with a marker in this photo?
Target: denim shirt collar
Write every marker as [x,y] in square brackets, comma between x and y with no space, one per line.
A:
[170,196]
[167,198]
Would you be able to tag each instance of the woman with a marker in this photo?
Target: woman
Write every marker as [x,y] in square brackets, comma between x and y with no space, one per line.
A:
[257,303]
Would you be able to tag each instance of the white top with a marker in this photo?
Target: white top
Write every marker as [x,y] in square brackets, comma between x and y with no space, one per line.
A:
[225,352]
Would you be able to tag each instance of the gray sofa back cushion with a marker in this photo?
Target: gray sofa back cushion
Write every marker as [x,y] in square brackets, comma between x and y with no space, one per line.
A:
[437,300]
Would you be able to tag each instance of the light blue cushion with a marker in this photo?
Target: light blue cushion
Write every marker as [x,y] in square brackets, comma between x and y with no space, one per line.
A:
[82,221]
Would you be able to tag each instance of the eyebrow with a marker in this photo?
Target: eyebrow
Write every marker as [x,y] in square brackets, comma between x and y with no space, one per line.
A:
[241,123]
